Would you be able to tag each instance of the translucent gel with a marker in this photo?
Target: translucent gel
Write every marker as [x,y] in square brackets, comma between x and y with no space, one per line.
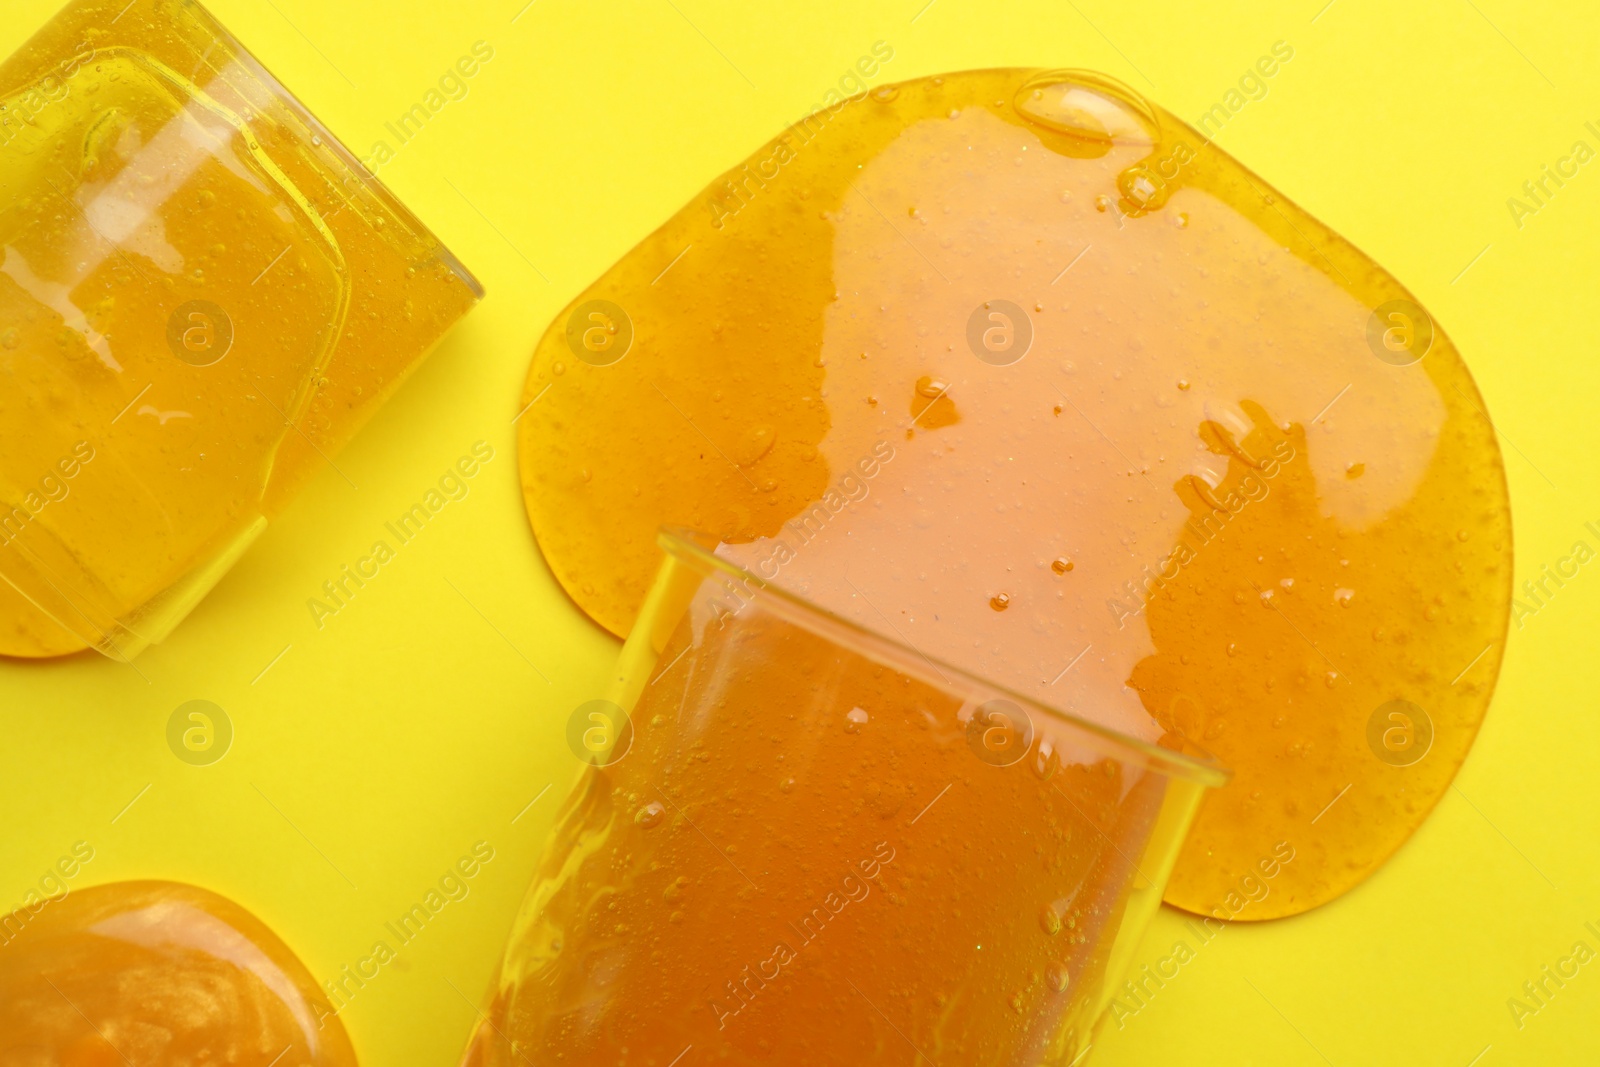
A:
[200,301]
[157,972]
[1193,484]
[802,860]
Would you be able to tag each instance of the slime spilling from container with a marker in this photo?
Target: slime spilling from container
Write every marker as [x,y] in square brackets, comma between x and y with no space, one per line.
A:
[1017,369]
[814,847]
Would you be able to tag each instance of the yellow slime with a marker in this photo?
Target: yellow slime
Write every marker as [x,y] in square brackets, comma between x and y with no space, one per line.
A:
[202,297]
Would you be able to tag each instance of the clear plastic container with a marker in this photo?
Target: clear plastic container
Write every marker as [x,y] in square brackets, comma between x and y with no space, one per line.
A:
[797,841]
[202,296]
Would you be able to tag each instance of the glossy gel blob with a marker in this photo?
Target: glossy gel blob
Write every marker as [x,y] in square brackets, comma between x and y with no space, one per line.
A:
[1020,370]
[157,973]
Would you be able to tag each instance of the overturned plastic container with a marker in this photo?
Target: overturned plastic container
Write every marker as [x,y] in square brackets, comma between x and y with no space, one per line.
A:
[791,833]
[203,295]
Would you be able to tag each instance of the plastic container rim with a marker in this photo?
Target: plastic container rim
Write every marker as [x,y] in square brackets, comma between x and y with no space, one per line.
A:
[696,549]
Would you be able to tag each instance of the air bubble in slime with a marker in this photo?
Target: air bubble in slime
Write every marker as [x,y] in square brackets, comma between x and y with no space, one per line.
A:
[203,296]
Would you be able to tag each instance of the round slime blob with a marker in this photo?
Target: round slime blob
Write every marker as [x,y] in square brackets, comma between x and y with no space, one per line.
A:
[157,972]
[1020,370]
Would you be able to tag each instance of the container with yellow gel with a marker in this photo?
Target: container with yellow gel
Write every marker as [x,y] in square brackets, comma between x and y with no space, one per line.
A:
[202,297]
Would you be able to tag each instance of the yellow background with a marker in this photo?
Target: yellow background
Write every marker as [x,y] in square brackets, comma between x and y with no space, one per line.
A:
[417,721]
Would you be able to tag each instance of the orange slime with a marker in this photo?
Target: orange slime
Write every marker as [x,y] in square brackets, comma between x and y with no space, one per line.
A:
[157,973]
[802,860]
[1018,369]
